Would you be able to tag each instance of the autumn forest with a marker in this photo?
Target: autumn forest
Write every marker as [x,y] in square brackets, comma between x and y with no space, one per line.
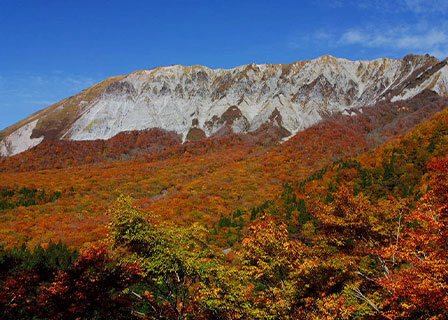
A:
[347,219]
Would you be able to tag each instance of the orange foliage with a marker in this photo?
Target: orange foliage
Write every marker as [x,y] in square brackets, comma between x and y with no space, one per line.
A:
[194,181]
[419,287]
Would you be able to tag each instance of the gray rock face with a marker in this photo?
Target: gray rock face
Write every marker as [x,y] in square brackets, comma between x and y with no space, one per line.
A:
[179,98]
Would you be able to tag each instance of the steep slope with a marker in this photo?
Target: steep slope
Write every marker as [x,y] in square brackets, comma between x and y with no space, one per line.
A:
[197,101]
[196,181]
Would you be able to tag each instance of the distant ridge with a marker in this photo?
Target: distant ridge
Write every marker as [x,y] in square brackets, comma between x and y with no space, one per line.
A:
[197,102]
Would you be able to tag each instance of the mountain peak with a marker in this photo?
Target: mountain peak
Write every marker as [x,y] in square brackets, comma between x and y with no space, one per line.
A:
[174,97]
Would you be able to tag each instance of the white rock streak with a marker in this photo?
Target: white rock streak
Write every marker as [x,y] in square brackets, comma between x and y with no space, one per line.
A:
[19,140]
[178,98]
[172,97]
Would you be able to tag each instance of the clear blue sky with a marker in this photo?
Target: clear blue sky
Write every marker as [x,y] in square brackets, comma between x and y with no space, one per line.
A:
[53,49]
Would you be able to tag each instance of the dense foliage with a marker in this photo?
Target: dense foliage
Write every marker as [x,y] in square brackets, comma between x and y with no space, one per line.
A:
[351,259]
[230,229]
[12,198]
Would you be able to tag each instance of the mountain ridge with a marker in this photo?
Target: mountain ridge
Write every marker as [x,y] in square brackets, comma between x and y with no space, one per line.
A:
[196,101]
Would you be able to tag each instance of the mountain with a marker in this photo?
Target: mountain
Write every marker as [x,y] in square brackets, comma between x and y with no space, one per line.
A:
[197,102]
[345,219]
[62,189]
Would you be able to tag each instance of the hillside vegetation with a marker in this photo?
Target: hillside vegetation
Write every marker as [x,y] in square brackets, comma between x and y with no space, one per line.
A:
[346,220]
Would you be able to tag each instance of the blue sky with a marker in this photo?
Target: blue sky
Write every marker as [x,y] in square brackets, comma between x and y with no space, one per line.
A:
[50,50]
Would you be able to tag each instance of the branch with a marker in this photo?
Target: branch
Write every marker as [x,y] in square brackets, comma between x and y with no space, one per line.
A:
[383,264]
[360,295]
[366,277]
[397,236]
[12,300]
[137,295]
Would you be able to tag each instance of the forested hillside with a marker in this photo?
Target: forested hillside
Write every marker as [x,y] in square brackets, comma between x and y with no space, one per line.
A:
[363,237]
[345,220]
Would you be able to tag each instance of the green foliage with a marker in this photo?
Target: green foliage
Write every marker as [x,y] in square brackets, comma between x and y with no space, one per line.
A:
[318,249]
[224,222]
[12,198]
[130,228]
[173,259]
[303,216]
[228,227]
[23,273]
[260,209]
[317,175]
[54,258]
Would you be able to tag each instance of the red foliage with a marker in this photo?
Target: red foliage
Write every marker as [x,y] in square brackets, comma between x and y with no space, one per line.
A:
[419,288]
[18,295]
[93,287]
[194,181]
[64,153]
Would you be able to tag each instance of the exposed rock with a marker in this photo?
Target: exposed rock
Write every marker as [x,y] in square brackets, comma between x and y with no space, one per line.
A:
[195,134]
[290,97]
[232,118]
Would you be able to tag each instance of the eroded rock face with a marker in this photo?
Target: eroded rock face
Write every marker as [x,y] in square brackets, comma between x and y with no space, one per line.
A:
[195,134]
[191,100]
[232,118]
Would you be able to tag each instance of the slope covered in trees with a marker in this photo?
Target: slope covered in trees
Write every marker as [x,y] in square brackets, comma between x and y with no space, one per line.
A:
[352,258]
[199,181]
[345,220]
